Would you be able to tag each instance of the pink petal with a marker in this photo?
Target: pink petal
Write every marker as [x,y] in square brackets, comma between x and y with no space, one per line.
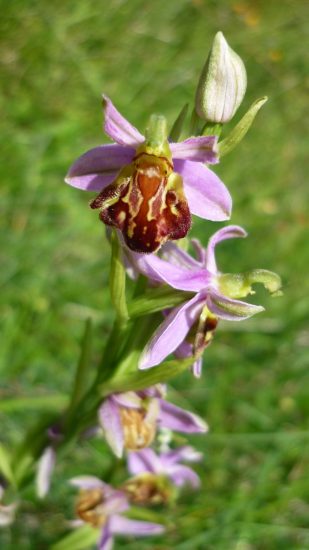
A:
[45,469]
[180,278]
[230,310]
[111,423]
[170,333]
[186,350]
[180,420]
[88,482]
[106,540]
[229,232]
[118,128]
[128,399]
[115,503]
[200,251]
[196,149]
[98,167]
[185,453]
[177,256]
[207,196]
[145,460]
[182,475]
[125,526]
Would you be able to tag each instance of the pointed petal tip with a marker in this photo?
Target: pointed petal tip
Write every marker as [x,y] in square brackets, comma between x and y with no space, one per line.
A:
[204,428]
[143,363]
[117,127]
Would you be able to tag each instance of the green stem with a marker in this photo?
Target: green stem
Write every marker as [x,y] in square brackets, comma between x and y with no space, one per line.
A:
[82,371]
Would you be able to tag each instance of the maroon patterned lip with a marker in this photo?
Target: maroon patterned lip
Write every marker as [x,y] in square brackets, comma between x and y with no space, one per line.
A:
[142,208]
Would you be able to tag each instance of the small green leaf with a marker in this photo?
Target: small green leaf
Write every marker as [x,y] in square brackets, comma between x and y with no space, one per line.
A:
[156,299]
[118,280]
[240,130]
[80,538]
[177,127]
[5,464]
[141,379]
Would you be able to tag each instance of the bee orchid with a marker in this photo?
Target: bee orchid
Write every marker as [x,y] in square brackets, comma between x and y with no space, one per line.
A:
[216,297]
[130,420]
[148,187]
[102,507]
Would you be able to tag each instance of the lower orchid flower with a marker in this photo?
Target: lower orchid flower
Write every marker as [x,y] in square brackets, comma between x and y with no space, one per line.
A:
[165,464]
[130,420]
[216,296]
[102,507]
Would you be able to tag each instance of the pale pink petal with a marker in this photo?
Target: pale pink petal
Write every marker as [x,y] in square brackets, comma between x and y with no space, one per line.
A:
[182,475]
[128,399]
[145,460]
[229,309]
[110,421]
[115,503]
[172,253]
[106,540]
[200,251]
[228,232]
[98,167]
[180,420]
[88,482]
[118,128]
[45,469]
[185,453]
[181,278]
[186,350]
[196,149]
[206,194]
[170,333]
[124,526]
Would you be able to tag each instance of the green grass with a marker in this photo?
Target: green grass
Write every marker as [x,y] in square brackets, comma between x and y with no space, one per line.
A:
[56,60]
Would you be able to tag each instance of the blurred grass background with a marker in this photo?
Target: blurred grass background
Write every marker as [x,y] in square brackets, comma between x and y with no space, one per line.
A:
[56,60]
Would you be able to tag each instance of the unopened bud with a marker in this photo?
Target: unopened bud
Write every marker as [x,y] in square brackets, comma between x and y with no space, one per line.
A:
[222,84]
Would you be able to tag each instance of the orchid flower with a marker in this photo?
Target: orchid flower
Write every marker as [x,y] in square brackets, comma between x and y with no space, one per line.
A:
[148,187]
[166,464]
[130,420]
[44,472]
[215,295]
[102,507]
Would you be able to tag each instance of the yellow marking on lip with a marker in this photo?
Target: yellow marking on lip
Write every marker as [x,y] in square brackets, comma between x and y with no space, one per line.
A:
[131,227]
[121,217]
[174,210]
[150,215]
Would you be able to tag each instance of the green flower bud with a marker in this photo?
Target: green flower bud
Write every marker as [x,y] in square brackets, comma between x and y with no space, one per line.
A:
[222,84]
